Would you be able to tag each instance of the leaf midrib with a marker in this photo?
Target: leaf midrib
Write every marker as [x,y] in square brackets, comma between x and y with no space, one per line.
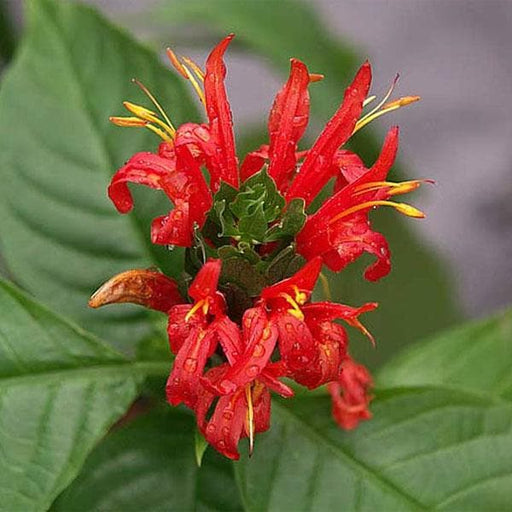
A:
[317,436]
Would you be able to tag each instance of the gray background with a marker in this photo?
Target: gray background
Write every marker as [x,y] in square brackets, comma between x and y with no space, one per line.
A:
[456,54]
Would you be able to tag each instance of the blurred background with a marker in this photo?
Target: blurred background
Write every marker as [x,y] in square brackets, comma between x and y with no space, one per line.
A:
[455,54]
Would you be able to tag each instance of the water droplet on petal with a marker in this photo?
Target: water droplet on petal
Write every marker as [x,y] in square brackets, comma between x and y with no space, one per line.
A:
[190,365]
[252,371]
[210,429]
[227,415]
[259,350]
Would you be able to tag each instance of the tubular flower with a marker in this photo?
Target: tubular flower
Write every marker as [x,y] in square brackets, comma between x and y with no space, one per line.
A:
[350,398]
[242,324]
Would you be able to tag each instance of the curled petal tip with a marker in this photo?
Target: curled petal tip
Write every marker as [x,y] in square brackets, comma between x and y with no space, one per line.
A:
[144,287]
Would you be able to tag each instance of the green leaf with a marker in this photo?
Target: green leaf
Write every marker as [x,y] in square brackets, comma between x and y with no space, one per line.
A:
[416,299]
[60,390]
[425,449]
[61,236]
[259,189]
[150,465]
[475,357]
[291,223]
[253,226]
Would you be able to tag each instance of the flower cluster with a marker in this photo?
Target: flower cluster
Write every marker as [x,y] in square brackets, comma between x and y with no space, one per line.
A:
[255,248]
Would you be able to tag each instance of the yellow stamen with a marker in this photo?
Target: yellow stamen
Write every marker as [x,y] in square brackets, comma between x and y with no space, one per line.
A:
[178,66]
[250,417]
[315,77]
[300,297]
[182,68]
[146,91]
[395,188]
[295,308]
[195,68]
[394,105]
[406,209]
[148,115]
[195,85]
[401,102]
[128,121]
[203,303]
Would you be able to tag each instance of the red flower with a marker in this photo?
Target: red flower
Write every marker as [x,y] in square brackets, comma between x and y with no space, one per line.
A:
[350,398]
[244,410]
[340,230]
[246,327]
[176,168]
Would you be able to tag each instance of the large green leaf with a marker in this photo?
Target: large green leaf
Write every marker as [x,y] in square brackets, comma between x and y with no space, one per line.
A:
[60,390]
[61,236]
[150,465]
[440,436]
[415,300]
[474,357]
[425,449]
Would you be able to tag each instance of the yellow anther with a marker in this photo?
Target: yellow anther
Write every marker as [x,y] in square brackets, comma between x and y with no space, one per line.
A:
[203,304]
[171,129]
[250,417]
[300,297]
[295,308]
[406,209]
[401,102]
[383,107]
[195,68]
[184,67]
[394,105]
[140,111]
[315,77]
[178,66]
[195,85]
[150,116]
[128,121]
[394,188]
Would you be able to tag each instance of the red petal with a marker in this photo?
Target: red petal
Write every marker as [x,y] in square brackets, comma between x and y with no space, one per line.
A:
[347,167]
[261,406]
[206,281]
[297,349]
[320,311]
[253,162]
[191,186]
[314,172]
[199,139]
[178,327]
[287,123]
[174,228]
[305,280]
[229,336]
[226,425]
[350,397]
[142,168]
[260,337]
[219,113]
[269,376]
[183,384]
[145,287]
[331,341]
